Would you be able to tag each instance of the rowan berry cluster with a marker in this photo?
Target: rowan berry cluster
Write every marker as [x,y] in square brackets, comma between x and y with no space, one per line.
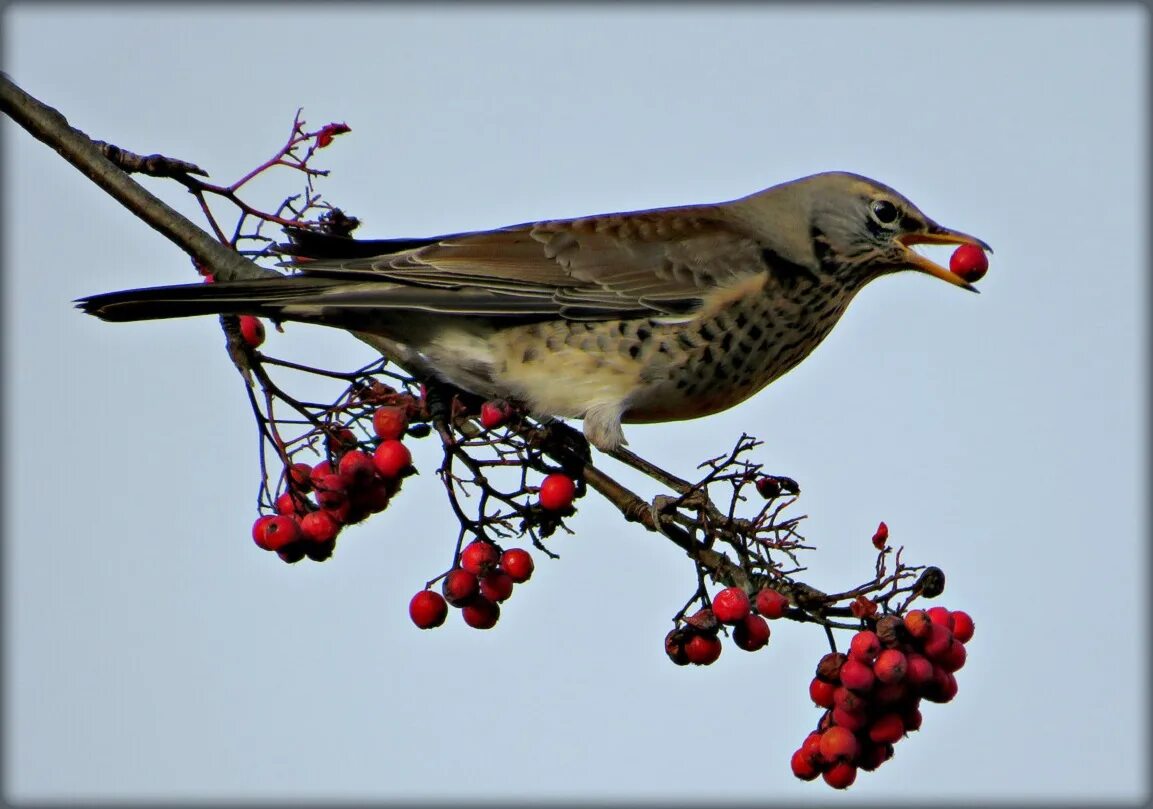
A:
[360,477]
[484,575]
[872,695]
[319,500]
[698,641]
[482,579]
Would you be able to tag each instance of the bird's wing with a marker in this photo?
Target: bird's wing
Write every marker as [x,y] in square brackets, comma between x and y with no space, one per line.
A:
[660,263]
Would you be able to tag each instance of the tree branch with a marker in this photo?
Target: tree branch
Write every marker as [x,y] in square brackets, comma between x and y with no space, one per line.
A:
[49,126]
[634,509]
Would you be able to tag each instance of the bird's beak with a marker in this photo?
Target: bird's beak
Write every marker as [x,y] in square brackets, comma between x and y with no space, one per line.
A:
[935,234]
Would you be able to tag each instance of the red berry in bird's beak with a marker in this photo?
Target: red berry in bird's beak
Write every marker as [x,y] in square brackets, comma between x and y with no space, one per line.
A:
[969,262]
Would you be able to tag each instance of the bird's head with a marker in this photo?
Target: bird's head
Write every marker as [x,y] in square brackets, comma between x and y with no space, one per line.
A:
[853,226]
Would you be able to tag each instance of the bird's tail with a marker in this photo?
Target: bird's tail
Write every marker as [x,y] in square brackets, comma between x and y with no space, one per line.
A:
[264,298]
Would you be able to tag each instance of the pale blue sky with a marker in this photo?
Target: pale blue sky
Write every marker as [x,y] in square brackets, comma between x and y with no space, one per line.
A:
[151,651]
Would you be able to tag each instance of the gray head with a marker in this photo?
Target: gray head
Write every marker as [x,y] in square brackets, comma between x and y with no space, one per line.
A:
[850,226]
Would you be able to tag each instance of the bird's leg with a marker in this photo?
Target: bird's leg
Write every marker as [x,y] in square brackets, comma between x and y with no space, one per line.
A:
[565,445]
[439,399]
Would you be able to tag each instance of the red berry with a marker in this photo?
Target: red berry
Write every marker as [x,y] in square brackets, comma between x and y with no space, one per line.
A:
[954,657]
[889,693]
[494,413]
[496,586]
[937,644]
[881,536]
[942,616]
[459,587]
[258,529]
[771,604]
[840,776]
[291,554]
[372,497]
[391,458]
[252,330]
[427,609]
[518,564]
[322,469]
[300,476]
[356,465]
[821,693]
[703,650]
[887,728]
[857,676]
[389,422]
[969,262]
[480,613]
[318,527]
[962,626]
[890,666]
[288,503]
[811,747]
[912,719]
[557,492]
[319,551]
[331,491]
[803,767]
[943,686]
[349,514]
[839,744]
[919,669]
[768,487]
[865,646]
[918,623]
[849,700]
[731,605]
[850,720]
[341,511]
[873,756]
[279,531]
[479,557]
[751,633]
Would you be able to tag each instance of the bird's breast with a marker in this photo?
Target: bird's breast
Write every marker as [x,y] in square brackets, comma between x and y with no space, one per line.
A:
[716,362]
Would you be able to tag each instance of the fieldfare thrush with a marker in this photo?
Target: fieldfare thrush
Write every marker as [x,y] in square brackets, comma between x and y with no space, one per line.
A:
[649,316]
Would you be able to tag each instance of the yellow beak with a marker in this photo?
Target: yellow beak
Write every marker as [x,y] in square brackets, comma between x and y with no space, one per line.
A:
[935,234]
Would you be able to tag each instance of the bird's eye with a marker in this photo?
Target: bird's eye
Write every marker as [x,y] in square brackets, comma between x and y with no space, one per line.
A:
[885,212]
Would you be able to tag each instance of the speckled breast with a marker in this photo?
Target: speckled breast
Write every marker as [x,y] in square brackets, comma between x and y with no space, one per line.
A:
[709,365]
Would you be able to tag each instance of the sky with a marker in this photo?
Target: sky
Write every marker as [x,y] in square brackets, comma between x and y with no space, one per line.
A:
[152,652]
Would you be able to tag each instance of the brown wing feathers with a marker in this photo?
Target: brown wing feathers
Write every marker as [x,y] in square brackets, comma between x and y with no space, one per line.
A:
[596,268]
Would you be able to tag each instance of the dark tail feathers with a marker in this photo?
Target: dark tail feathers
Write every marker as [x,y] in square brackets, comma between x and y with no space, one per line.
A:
[189,300]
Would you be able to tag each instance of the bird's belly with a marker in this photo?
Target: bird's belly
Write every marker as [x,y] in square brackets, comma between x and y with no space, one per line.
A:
[564,368]
[652,371]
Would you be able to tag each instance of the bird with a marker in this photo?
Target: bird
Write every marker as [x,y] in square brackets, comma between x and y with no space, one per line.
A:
[638,317]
